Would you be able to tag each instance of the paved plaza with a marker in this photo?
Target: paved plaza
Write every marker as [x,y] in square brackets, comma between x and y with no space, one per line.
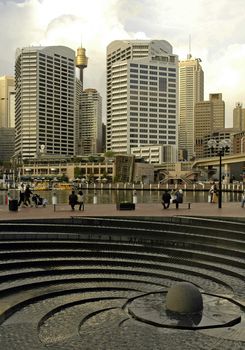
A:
[71,284]
[229,209]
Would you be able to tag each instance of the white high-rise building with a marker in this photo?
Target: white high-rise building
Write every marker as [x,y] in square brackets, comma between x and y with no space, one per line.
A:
[91,122]
[142,94]
[45,101]
[191,90]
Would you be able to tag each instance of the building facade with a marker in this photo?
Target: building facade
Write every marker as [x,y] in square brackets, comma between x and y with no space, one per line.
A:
[142,94]
[191,91]
[218,136]
[208,117]
[239,142]
[6,144]
[239,117]
[45,101]
[7,100]
[91,122]
[156,154]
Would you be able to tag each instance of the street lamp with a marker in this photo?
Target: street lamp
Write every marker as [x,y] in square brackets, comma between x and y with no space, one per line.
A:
[219,148]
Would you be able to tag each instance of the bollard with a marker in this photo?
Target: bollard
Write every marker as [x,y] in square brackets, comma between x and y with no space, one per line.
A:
[95,198]
[54,200]
[134,197]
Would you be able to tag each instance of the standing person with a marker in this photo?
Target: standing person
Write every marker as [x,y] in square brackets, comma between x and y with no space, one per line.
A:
[28,192]
[80,199]
[179,198]
[22,195]
[73,200]
[213,193]
[243,199]
[166,197]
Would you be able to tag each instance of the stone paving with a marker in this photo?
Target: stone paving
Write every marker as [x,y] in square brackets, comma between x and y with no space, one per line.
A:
[81,305]
[229,209]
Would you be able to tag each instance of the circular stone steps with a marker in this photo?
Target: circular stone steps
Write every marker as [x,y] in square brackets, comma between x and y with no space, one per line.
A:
[64,285]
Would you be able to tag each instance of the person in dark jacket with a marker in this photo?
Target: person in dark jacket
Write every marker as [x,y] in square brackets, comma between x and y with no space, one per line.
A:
[28,193]
[179,198]
[73,200]
[166,199]
[22,195]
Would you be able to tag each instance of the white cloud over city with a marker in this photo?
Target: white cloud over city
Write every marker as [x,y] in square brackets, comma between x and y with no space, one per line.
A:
[216,29]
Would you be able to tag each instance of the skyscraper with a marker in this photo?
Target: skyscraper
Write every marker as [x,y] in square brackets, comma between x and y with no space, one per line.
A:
[239,117]
[209,116]
[191,90]
[45,101]
[7,98]
[91,122]
[7,120]
[142,94]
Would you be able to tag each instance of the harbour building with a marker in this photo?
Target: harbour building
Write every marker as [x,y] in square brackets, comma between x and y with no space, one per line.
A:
[91,122]
[142,95]
[191,91]
[45,101]
[208,117]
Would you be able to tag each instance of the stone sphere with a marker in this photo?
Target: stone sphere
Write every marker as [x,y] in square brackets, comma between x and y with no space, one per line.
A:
[184,298]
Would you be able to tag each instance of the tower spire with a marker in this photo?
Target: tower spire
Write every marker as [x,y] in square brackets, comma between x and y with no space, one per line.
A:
[189,54]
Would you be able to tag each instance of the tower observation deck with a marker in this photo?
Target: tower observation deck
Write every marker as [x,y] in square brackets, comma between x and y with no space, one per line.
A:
[81,61]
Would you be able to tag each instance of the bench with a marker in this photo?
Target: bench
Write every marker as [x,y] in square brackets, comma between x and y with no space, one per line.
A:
[187,204]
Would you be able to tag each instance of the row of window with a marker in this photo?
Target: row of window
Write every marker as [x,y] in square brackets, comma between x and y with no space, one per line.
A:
[151,74]
[135,65]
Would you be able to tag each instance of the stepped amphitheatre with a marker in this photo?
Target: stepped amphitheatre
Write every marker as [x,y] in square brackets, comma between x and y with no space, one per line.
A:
[100,283]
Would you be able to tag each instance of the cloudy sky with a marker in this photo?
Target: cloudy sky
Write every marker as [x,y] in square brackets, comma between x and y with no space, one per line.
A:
[216,28]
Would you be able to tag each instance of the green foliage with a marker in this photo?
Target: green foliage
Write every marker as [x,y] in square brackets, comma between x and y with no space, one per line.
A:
[109,154]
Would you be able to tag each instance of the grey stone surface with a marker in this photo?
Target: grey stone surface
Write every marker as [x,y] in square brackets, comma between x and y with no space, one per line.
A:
[77,301]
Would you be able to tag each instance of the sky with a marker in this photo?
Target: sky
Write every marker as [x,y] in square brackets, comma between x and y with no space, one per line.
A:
[216,29]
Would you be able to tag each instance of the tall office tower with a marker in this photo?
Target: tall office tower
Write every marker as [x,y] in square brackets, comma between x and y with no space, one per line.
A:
[191,90]
[239,117]
[45,101]
[6,144]
[142,94]
[91,122]
[208,117]
[7,98]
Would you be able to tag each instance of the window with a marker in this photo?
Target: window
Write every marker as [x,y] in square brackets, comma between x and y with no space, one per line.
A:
[162,84]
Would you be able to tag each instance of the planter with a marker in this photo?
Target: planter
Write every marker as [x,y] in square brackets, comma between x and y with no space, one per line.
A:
[126,206]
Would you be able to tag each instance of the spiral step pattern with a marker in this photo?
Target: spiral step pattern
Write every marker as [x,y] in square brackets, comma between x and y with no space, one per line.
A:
[64,284]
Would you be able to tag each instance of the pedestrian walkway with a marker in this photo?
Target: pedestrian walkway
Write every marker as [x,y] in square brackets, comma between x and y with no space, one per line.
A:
[229,209]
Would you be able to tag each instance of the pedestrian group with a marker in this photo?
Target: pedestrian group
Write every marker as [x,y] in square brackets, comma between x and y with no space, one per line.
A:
[76,199]
[175,197]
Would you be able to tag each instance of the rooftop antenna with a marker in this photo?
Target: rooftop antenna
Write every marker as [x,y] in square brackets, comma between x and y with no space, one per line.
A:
[189,54]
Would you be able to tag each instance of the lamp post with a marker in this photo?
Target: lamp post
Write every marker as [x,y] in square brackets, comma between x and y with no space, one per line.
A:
[219,148]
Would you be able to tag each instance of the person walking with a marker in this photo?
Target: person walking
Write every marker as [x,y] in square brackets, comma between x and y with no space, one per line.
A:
[72,200]
[80,200]
[22,195]
[166,197]
[27,200]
